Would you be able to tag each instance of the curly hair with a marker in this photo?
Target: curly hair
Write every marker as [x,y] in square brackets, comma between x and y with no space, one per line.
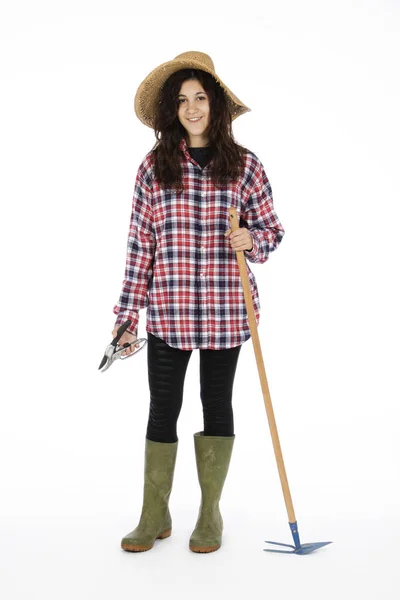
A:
[228,161]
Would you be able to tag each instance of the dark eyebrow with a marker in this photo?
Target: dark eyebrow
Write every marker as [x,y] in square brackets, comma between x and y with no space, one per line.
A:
[195,94]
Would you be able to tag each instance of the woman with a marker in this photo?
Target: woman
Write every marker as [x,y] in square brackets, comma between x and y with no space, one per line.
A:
[182,265]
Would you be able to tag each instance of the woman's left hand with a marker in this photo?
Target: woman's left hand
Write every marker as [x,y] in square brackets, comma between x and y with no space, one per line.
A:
[240,239]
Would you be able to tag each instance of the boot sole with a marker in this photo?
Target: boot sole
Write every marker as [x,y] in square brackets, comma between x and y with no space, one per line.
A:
[141,548]
[202,549]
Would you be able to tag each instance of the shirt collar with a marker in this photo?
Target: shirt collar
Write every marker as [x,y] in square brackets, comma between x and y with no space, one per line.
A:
[183,145]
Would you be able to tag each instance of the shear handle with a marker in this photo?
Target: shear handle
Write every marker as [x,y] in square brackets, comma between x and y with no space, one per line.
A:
[120,332]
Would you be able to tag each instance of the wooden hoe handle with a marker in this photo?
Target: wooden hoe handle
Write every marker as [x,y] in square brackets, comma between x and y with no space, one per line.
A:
[261,370]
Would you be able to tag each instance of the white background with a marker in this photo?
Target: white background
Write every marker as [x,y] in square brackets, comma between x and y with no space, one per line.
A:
[322,80]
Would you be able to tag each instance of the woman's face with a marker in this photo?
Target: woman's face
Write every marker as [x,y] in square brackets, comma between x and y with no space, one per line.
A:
[193,103]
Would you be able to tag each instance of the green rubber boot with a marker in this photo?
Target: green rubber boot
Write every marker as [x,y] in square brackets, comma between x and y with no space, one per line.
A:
[213,455]
[155,520]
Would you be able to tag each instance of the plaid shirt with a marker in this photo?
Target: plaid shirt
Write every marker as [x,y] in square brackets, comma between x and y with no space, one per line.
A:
[179,264]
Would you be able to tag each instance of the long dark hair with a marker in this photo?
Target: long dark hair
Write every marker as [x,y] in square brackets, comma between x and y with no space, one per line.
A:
[228,161]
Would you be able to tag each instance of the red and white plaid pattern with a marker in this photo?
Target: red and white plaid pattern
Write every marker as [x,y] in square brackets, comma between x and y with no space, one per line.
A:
[179,264]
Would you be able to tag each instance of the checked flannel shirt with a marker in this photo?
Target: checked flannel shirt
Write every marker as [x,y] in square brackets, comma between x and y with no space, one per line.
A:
[179,264]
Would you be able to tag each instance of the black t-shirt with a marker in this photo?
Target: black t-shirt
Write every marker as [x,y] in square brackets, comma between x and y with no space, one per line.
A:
[202,155]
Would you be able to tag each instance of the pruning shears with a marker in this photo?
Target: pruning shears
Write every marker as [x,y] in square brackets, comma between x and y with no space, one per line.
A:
[114,351]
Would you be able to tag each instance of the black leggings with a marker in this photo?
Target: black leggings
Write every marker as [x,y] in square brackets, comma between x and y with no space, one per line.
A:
[166,372]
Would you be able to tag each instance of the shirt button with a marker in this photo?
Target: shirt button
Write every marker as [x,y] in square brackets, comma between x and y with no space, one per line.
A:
[201,274]
[203,193]
[202,247]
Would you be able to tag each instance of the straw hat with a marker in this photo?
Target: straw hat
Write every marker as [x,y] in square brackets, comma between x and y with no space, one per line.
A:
[147,94]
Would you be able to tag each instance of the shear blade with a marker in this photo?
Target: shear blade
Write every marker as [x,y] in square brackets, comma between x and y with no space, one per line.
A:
[103,361]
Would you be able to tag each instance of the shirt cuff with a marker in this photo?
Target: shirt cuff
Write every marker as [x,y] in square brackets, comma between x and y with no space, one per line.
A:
[253,252]
[123,316]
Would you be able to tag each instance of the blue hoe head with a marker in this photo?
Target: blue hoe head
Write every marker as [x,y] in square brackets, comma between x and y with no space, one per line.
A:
[302,549]
[297,548]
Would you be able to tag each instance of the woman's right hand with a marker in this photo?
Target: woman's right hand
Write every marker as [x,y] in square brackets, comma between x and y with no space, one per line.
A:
[126,338]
